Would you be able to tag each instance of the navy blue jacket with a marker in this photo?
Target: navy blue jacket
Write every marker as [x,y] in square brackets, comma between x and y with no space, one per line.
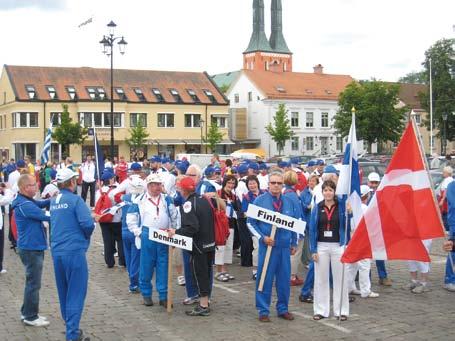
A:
[450,193]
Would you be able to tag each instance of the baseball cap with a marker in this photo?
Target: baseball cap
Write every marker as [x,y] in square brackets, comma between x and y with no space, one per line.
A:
[154,178]
[65,174]
[283,164]
[209,171]
[107,175]
[320,162]
[253,166]
[53,174]
[330,170]
[374,177]
[187,183]
[20,164]
[135,166]
[155,158]
[364,190]
[311,163]
[217,169]
[262,166]
[242,169]
[136,184]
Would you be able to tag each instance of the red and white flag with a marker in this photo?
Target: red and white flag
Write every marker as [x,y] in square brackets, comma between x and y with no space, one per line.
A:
[402,213]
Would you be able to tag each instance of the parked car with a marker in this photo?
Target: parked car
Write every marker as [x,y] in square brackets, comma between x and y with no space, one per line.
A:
[366,167]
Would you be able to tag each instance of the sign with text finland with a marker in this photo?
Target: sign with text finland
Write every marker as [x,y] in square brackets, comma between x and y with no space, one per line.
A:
[181,242]
[275,218]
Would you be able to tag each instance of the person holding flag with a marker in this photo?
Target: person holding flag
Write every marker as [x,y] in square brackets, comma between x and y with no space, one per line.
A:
[449,246]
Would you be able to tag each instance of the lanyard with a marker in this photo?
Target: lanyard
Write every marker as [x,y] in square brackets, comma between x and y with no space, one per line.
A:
[157,204]
[329,213]
[277,205]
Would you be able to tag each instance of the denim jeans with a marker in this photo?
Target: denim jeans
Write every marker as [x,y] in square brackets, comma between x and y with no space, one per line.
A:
[33,264]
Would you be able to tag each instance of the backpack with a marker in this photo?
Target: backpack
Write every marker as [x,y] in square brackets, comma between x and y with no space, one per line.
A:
[103,204]
[221,224]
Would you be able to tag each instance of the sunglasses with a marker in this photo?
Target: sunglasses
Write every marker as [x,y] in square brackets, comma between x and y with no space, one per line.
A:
[275,183]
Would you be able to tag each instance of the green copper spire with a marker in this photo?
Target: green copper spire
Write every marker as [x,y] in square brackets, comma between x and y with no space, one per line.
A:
[277,41]
[258,41]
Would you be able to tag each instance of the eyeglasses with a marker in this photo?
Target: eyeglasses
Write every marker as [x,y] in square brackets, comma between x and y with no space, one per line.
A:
[191,174]
[275,183]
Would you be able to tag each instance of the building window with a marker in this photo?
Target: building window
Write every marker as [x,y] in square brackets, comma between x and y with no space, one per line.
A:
[100,119]
[295,143]
[339,143]
[166,120]
[31,91]
[193,96]
[56,119]
[139,94]
[250,96]
[236,98]
[325,120]
[117,119]
[294,119]
[25,120]
[176,95]
[71,92]
[23,149]
[220,122]
[121,94]
[192,120]
[52,92]
[418,118]
[309,143]
[96,93]
[136,118]
[309,120]
[158,95]
[210,96]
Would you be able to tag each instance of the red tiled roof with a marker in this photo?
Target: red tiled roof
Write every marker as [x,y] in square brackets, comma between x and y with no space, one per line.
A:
[409,94]
[80,78]
[297,85]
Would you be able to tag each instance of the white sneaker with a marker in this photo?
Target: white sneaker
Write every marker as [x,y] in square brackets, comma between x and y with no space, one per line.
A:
[449,287]
[39,322]
[41,317]
[420,289]
[355,292]
[181,280]
[371,295]
[3,271]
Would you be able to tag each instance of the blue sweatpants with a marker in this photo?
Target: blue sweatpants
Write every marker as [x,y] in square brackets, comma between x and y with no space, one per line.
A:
[153,256]
[132,258]
[190,286]
[309,281]
[71,277]
[449,277]
[279,269]
[382,272]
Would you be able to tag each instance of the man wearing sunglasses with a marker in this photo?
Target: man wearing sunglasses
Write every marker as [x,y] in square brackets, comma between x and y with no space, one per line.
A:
[283,246]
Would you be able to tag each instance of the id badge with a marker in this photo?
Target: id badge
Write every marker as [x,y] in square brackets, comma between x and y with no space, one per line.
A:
[328,234]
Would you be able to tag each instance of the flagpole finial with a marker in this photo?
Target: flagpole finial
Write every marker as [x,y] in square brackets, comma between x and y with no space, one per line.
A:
[353,110]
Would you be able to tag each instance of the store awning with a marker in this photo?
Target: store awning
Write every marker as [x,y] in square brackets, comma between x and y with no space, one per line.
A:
[184,141]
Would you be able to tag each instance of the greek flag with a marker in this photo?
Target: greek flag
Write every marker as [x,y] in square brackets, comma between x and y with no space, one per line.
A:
[99,157]
[349,181]
[47,146]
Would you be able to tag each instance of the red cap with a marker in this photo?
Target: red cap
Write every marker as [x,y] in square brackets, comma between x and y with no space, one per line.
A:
[187,184]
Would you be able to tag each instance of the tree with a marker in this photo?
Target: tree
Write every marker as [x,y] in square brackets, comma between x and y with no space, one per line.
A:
[224,88]
[68,133]
[378,119]
[214,136]
[443,79]
[281,130]
[414,77]
[138,137]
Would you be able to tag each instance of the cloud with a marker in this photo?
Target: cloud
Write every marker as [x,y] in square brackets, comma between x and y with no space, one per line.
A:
[346,38]
[47,5]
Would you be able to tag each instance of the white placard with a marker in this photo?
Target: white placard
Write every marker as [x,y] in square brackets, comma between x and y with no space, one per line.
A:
[176,240]
[275,218]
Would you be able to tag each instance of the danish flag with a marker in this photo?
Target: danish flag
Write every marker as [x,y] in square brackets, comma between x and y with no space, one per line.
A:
[402,213]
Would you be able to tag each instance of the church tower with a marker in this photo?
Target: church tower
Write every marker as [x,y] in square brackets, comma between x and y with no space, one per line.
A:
[262,54]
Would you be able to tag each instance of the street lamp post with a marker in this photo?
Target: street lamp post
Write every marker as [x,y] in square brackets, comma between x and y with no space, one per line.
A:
[444,142]
[107,44]
[201,123]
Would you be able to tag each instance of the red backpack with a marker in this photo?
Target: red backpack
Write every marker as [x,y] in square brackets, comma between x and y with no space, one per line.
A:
[221,224]
[103,204]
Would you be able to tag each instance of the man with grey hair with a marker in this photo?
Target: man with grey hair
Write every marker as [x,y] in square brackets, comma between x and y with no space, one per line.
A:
[447,173]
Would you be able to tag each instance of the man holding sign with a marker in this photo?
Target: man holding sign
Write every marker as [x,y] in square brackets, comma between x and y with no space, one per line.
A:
[275,246]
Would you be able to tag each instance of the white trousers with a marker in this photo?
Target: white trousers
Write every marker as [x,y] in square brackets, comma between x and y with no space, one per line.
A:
[296,258]
[223,254]
[255,250]
[422,267]
[363,267]
[329,255]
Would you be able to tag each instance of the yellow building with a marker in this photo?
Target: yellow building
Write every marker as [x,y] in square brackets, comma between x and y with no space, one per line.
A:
[173,106]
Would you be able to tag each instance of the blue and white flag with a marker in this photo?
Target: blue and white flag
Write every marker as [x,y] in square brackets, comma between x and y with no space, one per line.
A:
[99,157]
[349,181]
[47,145]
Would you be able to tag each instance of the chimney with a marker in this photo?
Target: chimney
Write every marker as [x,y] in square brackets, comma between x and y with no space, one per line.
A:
[318,69]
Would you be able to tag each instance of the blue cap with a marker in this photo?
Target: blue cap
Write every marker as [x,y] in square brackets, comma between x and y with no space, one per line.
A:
[217,170]
[209,171]
[242,169]
[253,166]
[320,162]
[234,169]
[155,158]
[311,163]
[135,166]
[20,164]
[53,174]
[107,175]
[283,164]
[181,166]
[330,170]
[165,160]
[263,166]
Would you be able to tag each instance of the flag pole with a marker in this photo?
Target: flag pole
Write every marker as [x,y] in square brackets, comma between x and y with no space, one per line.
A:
[425,162]
[95,142]
[346,222]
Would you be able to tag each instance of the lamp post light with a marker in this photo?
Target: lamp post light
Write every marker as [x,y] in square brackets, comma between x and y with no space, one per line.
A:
[201,123]
[107,44]
[444,142]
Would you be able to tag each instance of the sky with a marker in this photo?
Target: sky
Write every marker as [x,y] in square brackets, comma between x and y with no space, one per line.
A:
[362,38]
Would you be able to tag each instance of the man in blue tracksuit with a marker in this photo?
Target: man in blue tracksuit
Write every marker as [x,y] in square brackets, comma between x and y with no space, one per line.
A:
[31,243]
[449,279]
[72,227]
[283,245]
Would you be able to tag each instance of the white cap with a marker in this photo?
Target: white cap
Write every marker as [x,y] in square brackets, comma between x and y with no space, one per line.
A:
[156,178]
[373,176]
[364,190]
[136,185]
[65,174]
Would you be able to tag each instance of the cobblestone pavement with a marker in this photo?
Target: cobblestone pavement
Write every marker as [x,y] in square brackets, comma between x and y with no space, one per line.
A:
[111,313]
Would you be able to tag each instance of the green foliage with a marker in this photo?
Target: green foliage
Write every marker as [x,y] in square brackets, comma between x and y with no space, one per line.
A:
[281,130]
[414,77]
[68,133]
[214,136]
[138,136]
[224,88]
[443,79]
[377,117]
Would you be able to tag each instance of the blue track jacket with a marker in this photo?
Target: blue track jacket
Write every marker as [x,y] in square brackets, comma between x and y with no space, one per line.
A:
[450,193]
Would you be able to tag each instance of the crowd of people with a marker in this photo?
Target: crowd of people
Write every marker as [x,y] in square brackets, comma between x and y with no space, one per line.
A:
[129,201]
